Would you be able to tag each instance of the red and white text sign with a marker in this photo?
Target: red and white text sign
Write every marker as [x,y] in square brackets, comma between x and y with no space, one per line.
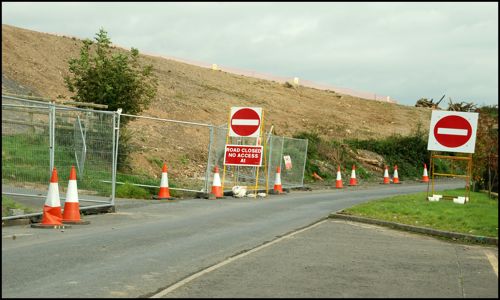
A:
[453,131]
[288,162]
[243,155]
[245,121]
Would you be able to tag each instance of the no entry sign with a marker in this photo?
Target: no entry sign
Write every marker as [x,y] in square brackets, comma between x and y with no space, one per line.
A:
[243,155]
[245,121]
[452,131]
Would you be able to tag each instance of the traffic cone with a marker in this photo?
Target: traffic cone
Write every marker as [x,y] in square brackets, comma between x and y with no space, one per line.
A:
[316,176]
[278,189]
[216,185]
[52,217]
[395,178]
[338,183]
[164,193]
[386,175]
[71,214]
[425,177]
[353,180]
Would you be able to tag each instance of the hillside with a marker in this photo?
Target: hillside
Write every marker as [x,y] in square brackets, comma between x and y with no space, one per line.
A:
[36,62]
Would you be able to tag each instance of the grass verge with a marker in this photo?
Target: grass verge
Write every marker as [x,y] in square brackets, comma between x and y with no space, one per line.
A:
[478,217]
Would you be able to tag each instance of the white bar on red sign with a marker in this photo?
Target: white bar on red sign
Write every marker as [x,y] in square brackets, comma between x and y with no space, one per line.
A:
[452,131]
[245,122]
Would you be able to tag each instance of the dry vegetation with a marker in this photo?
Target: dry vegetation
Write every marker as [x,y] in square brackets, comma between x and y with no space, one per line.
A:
[37,61]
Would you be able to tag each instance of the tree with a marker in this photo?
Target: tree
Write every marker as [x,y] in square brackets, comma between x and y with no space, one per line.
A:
[117,80]
[485,161]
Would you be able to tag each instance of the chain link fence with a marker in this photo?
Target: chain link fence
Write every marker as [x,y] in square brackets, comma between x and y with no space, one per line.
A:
[192,150]
[146,143]
[112,151]
[38,136]
[276,148]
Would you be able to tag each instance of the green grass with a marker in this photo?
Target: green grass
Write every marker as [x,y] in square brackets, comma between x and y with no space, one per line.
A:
[128,190]
[25,159]
[8,203]
[477,217]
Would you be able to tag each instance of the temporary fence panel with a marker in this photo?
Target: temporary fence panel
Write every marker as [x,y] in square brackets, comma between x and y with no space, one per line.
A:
[26,146]
[84,138]
[37,136]
[147,142]
[110,150]
[275,147]
[295,151]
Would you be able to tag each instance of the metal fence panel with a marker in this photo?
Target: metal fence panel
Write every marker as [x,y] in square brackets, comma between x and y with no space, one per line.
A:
[147,143]
[296,149]
[25,146]
[37,136]
[93,156]
[276,147]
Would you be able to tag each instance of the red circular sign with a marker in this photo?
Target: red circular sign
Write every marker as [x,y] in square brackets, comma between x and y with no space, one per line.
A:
[452,131]
[245,122]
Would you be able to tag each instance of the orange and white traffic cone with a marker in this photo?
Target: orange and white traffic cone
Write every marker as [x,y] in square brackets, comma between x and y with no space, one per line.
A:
[395,178]
[164,193]
[425,177]
[353,180]
[278,189]
[386,175]
[338,182]
[216,184]
[52,217]
[71,214]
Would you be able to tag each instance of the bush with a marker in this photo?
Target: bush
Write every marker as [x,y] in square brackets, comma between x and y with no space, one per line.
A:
[131,191]
[407,152]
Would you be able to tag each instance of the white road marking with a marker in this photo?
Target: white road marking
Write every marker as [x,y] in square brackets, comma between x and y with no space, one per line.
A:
[17,234]
[225,262]
[452,131]
[493,261]
[245,122]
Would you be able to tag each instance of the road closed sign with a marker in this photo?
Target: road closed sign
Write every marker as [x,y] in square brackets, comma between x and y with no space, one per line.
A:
[245,121]
[243,155]
[453,131]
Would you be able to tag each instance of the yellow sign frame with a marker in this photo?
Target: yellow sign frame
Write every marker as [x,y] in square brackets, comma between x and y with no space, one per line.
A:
[467,176]
[260,137]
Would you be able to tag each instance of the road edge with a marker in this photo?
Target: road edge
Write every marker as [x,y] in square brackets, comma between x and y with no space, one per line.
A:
[440,233]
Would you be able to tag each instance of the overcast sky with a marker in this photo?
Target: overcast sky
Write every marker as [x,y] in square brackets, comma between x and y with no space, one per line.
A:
[403,50]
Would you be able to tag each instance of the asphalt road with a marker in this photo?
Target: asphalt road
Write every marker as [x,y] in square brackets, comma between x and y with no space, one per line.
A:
[341,259]
[147,246]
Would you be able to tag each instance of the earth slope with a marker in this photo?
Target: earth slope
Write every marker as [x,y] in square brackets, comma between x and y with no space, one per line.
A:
[35,63]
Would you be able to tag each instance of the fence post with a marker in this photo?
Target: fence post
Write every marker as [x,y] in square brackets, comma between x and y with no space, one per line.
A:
[305,161]
[116,138]
[281,153]
[270,149]
[52,133]
[207,172]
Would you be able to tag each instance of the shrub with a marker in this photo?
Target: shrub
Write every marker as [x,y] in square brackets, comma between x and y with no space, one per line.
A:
[131,191]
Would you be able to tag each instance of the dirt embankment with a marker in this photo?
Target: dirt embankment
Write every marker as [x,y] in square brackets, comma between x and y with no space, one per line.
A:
[36,62]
